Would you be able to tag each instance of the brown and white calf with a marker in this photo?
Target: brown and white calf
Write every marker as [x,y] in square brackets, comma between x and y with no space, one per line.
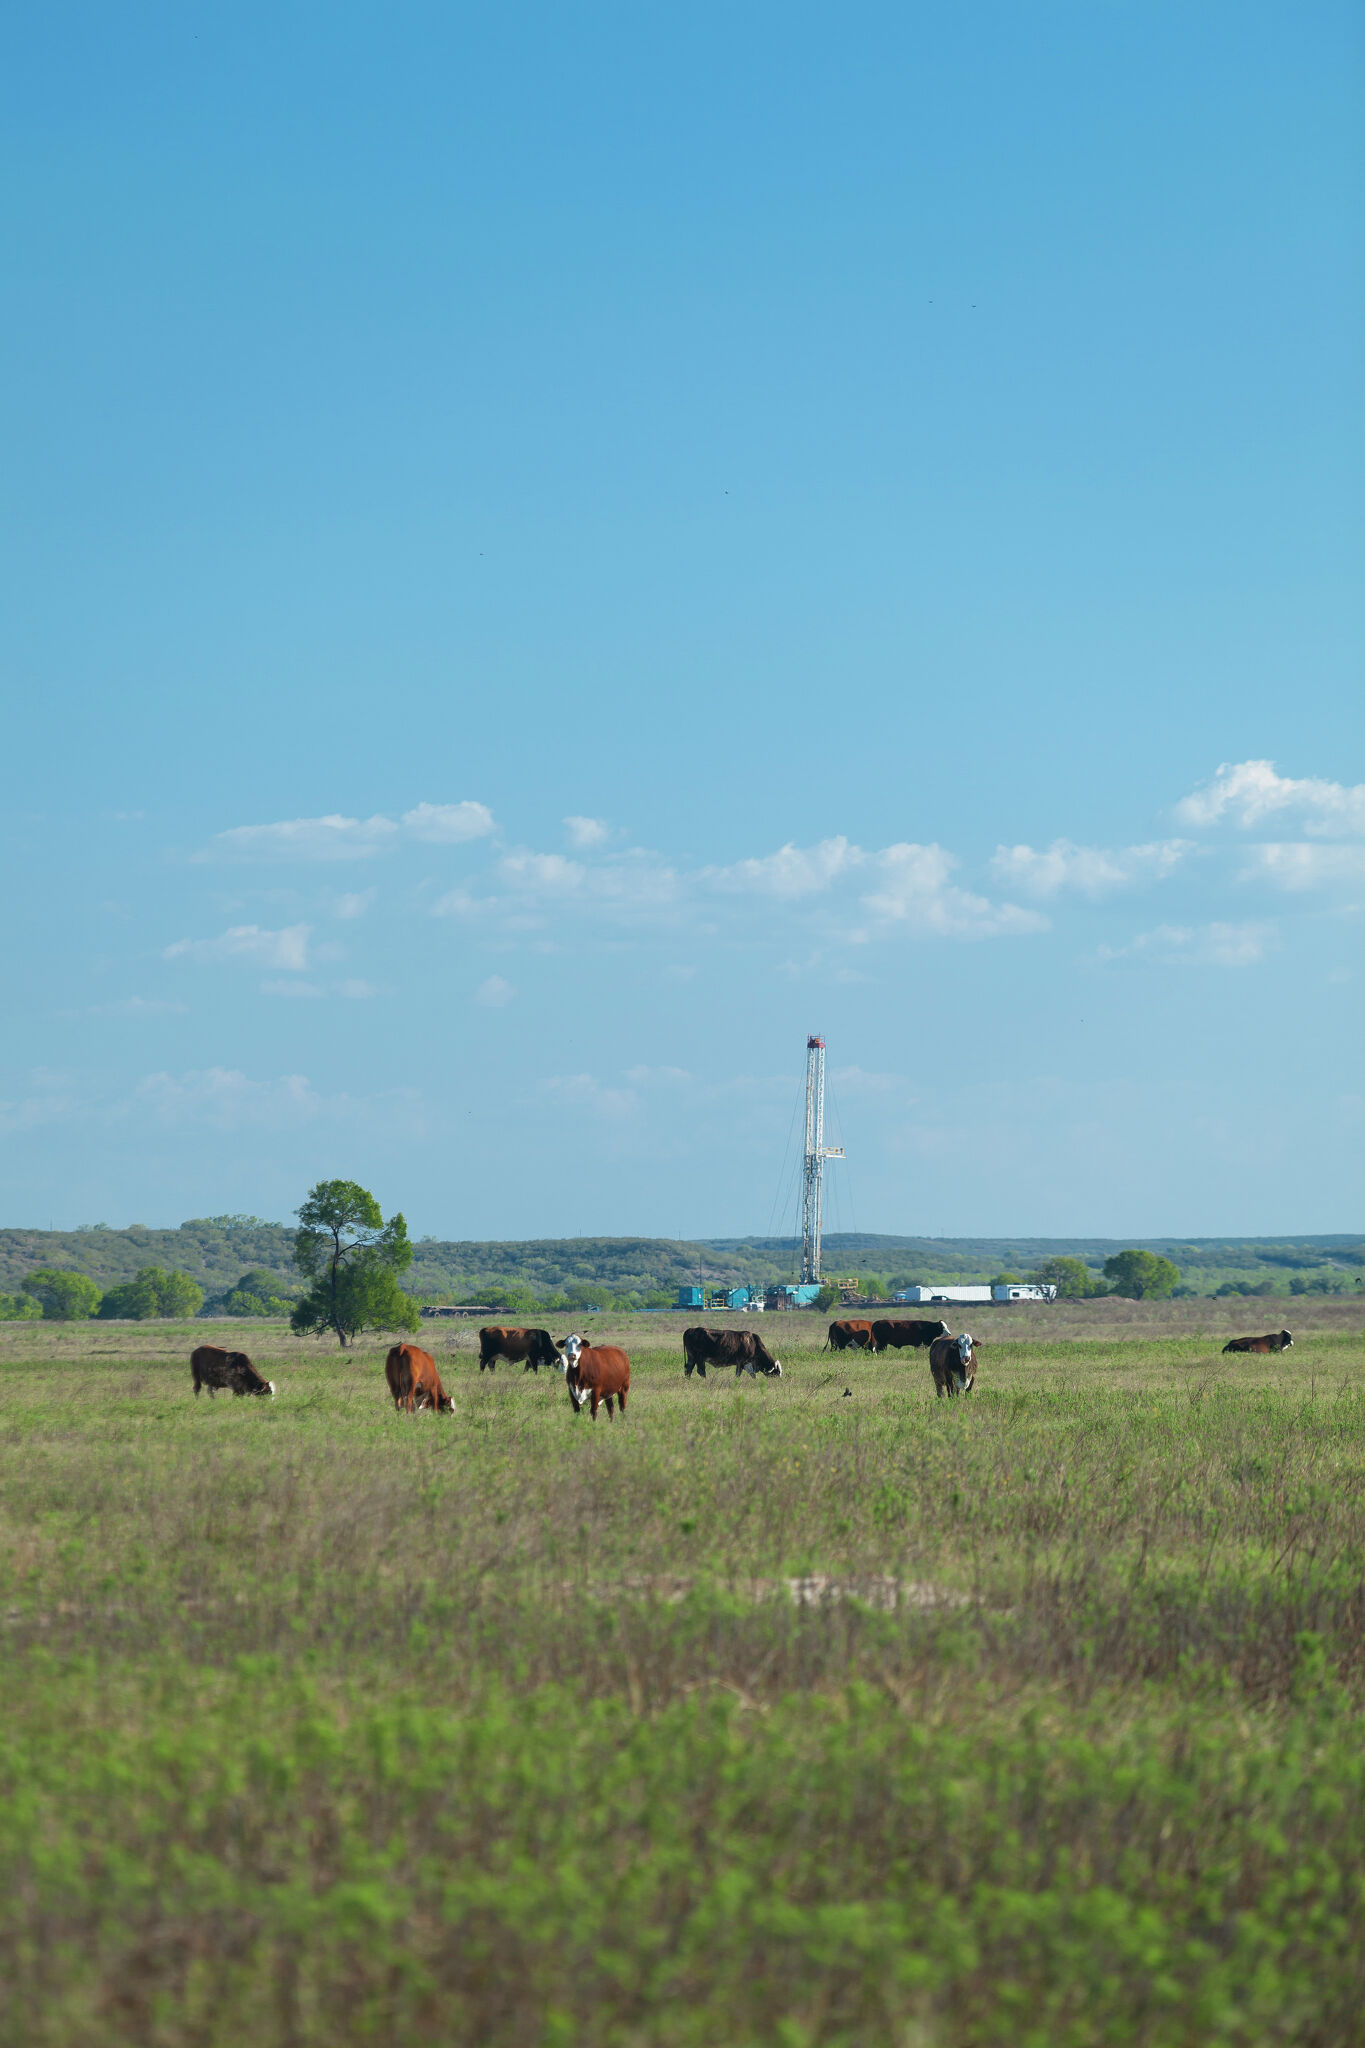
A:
[952,1361]
[595,1373]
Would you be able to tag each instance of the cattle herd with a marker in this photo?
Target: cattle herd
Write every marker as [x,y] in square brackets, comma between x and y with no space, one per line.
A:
[598,1375]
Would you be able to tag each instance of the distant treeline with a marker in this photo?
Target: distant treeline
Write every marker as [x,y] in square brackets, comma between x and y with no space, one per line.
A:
[242,1264]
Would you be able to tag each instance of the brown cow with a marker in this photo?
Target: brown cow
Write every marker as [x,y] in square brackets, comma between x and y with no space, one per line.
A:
[743,1349]
[1278,1340]
[413,1379]
[895,1336]
[212,1367]
[952,1361]
[534,1347]
[849,1336]
[595,1372]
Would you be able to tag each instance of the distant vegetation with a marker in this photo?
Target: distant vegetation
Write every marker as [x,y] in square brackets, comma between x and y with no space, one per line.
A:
[236,1259]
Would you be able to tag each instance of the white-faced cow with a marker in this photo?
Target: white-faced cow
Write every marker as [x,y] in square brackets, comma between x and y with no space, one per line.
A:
[1278,1340]
[743,1349]
[595,1373]
[952,1361]
[213,1368]
[889,1335]
[529,1348]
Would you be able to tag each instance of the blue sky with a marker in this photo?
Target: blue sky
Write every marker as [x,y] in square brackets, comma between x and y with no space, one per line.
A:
[550,552]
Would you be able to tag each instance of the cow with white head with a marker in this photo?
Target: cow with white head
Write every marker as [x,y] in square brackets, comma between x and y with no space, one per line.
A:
[952,1361]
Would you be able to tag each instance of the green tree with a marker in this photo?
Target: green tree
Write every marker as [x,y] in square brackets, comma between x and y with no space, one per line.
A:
[1072,1279]
[1141,1276]
[257,1293]
[353,1259]
[1005,1280]
[153,1293]
[63,1297]
[19,1308]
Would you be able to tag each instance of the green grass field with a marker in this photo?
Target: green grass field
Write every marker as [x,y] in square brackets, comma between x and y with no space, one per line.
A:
[764,1714]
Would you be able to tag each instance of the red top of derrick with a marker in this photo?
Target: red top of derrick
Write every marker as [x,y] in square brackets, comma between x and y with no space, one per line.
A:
[815,1041]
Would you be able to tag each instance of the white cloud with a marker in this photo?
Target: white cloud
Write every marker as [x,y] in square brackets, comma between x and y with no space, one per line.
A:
[792,871]
[647,1077]
[335,837]
[448,824]
[587,832]
[353,903]
[350,991]
[51,1097]
[495,993]
[1249,791]
[915,894]
[286,949]
[1209,945]
[1090,870]
[1295,864]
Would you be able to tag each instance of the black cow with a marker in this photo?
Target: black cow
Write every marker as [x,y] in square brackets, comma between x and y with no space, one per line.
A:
[952,1361]
[1278,1340]
[897,1336]
[743,1349]
[530,1348]
[213,1368]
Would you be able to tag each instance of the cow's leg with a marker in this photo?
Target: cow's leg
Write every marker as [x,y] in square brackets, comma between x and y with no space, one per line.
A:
[687,1368]
[596,1397]
[621,1397]
[611,1407]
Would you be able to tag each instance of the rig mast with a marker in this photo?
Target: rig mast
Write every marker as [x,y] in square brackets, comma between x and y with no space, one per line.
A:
[817,1152]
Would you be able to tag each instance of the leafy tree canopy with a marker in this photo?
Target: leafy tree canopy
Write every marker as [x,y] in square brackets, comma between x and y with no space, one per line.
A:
[153,1294]
[257,1293]
[1072,1279]
[63,1297]
[353,1258]
[1141,1276]
[19,1308]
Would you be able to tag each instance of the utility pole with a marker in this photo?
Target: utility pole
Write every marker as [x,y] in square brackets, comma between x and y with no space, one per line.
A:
[817,1152]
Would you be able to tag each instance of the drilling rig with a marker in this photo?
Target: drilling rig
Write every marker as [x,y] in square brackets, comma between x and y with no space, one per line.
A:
[817,1152]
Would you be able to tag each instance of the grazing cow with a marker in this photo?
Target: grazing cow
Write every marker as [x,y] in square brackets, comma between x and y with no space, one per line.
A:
[1278,1340]
[213,1368]
[595,1373]
[892,1336]
[743,1349]
[413,1379]
[952,1361]
[848,1336]
[532,1348]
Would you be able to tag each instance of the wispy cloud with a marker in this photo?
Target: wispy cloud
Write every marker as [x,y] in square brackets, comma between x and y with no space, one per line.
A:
[1092,871]
[587,832]
[286,949]
[353,903]
[1297,864]
[335,837]
[905,887]
[1246,792]
[495,993]
[1208,945]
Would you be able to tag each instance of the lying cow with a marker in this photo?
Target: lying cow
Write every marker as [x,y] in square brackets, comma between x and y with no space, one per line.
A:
[595,1373]
[952,1361]
[414,1381]
[1278,1340]
[233,1370]
[847,1336]
[529,1348]
[743,1349]
[893,1336]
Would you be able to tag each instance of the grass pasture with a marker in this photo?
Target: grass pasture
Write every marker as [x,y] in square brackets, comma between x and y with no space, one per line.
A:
[764,1714]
